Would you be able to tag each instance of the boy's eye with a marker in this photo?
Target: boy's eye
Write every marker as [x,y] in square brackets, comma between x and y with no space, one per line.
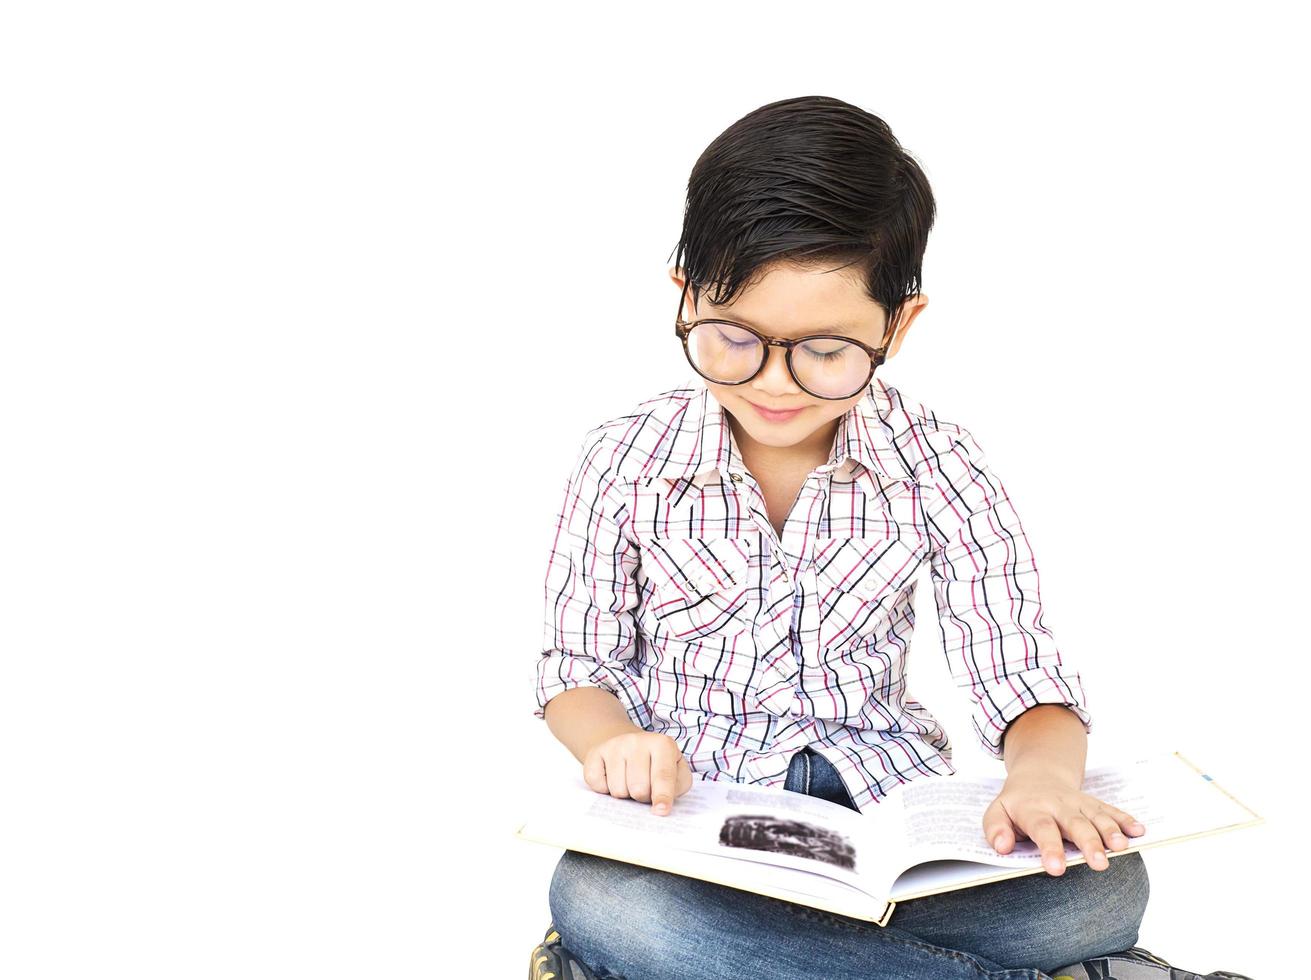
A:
[827,352]
[734,338]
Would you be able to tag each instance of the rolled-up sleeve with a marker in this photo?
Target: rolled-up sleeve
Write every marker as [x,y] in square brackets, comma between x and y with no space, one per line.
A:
[985,584]
[591,593]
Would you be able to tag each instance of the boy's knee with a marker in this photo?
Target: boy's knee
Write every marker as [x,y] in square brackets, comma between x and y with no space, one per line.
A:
[571,884]
[1111,906]
[586,890]
[1128,896]
[602,909]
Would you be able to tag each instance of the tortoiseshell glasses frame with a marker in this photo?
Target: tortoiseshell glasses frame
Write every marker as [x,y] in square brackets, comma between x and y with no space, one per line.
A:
[877,355]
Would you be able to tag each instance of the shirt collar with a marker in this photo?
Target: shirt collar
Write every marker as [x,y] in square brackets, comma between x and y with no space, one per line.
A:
[698,444]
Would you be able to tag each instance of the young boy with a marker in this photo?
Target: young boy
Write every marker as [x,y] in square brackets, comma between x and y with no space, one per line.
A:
[730,594]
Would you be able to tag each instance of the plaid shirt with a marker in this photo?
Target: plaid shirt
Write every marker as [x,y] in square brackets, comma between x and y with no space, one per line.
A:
[668,586]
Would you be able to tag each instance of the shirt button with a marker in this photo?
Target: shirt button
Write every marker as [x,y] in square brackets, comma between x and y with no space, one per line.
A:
[737,477]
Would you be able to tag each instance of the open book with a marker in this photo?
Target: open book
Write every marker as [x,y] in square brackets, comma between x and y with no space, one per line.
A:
[924,838]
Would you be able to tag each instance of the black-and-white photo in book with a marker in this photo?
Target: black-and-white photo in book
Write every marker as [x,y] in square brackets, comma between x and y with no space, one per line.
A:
[923,838]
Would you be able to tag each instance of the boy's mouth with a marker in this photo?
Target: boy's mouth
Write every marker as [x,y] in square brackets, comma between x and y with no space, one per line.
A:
[772,415]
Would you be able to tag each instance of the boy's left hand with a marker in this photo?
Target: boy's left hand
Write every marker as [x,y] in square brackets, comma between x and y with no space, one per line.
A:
[1049,810]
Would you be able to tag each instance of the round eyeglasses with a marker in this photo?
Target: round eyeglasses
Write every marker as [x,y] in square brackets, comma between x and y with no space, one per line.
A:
[824,366]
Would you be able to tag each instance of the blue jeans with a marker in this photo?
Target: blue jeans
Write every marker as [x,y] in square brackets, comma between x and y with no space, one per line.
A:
[634,923]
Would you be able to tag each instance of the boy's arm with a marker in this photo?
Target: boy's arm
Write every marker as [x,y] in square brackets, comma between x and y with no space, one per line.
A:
[584,717]
[986,586]
[1049,739]
[590,623]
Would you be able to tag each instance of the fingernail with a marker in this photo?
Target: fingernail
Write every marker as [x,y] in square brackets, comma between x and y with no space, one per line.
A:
[1054,864]
[1118,840]
[662,808]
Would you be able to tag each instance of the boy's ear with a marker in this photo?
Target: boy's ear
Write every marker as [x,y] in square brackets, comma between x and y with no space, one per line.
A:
[910,309]
[676,274]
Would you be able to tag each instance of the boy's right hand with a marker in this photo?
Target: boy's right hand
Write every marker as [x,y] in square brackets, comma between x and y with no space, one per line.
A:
[646,766]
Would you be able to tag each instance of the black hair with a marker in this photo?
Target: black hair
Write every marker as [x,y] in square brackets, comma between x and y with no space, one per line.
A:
[805,180]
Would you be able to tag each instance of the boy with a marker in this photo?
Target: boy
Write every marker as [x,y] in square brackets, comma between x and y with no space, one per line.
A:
[730,592]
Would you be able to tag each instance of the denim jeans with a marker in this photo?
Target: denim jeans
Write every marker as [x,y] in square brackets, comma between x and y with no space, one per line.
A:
[635,923]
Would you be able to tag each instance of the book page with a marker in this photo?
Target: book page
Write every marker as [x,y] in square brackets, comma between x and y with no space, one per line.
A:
[1169,797]
[789,884]
[924,838]
[944,816]
[741,821]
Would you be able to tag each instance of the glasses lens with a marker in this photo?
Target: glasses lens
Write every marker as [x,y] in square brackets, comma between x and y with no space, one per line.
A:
[830,368]
[827,367]
[723,352]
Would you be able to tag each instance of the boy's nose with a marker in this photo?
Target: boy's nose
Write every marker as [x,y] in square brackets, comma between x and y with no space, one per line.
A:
[776,366]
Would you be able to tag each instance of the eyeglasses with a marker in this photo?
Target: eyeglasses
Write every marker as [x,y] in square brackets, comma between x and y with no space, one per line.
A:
[824,366]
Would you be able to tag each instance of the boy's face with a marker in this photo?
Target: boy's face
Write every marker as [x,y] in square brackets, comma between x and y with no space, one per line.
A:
[794,301]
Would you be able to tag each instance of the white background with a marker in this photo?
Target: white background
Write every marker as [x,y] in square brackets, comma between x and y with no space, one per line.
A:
[306,309]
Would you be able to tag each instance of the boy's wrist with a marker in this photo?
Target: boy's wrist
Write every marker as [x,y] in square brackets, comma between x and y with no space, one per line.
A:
[586,716]
[1047,741]
[604,732]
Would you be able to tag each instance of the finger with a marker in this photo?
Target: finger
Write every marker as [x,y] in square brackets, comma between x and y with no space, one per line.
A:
[997,827]
[1126,820]
[1110,830]
[1046,834]
[614,774]
[1082,832]
[638,773]
[664,777]
[685,779]
[594,773]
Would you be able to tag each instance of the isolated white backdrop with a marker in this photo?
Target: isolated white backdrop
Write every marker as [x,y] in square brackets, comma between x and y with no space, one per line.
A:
[306,309]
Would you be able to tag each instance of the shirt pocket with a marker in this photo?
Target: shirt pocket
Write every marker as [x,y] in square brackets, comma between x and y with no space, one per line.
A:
[700,586]
[857,580]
